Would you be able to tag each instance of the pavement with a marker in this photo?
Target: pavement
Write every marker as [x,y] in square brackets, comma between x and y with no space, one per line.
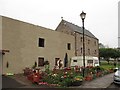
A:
[101,82]
[19,81]
[8,82]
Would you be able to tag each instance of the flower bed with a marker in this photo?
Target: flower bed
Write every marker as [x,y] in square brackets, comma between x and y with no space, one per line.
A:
[63,77]
[66,77]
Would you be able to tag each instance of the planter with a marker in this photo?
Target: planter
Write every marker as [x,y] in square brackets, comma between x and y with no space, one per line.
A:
[98,74]
[27,71]
[30,77]
[111,71]
[106,72]
[76,83]
[88,78]
[34,78]
[94,76]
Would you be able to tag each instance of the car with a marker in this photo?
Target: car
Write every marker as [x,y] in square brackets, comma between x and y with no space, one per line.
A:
[116,76]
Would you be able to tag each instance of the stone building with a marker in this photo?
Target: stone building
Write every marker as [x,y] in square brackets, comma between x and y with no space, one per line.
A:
[23,44]
[91,42]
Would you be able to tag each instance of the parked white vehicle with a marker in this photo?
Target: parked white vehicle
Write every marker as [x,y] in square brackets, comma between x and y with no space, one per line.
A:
[89,61]
[116,76]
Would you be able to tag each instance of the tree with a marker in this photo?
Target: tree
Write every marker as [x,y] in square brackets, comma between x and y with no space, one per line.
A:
[104,52]
[116,54]
[108,53]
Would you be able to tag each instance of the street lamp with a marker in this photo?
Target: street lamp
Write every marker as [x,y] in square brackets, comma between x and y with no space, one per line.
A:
[83,15]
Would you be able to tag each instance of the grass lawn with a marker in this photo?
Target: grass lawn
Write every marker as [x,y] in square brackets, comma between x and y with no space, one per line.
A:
[105,65]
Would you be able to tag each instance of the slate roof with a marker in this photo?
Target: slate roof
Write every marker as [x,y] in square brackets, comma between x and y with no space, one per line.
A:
[78,29]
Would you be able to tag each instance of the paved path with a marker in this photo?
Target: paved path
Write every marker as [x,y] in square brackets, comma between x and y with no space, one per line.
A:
[8,82]
[20,78]
[101,82]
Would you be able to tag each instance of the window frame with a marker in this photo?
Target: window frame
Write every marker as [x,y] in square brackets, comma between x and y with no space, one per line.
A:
[75,60]
[56,60]
[81,39]
[39,62]
[41,42]
[81,50]
[68,46]
[90,61]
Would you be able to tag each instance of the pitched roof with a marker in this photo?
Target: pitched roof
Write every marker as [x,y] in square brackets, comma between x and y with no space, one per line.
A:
[78,29]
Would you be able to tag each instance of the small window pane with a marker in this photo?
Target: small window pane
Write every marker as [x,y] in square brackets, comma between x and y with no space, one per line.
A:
[81,39]
[40,61]
[90,61]
[56,60]
[69,46]
[95,52]
[74,60]
[89,51]
[41,42]
[81,50]
[95,43]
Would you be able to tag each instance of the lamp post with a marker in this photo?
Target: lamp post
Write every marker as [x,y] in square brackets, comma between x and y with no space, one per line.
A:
[83,15]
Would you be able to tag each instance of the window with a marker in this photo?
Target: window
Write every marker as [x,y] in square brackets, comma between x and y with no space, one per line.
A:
[69,46]
[89,51]
[88,41]
[95,43]
[96,62]
[56,60]
[74,60]
[81,50]
[41,42]
[95,51]
[40,61]
[81,39]
[90,61]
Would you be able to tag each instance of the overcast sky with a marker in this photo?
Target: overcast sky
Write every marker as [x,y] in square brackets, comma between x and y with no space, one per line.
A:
[101,15]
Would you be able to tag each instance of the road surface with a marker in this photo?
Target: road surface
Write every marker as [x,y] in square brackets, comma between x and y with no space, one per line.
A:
[114,85]
[8,82]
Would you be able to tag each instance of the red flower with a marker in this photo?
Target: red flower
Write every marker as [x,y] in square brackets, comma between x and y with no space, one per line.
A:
[43,83]
[65,76]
